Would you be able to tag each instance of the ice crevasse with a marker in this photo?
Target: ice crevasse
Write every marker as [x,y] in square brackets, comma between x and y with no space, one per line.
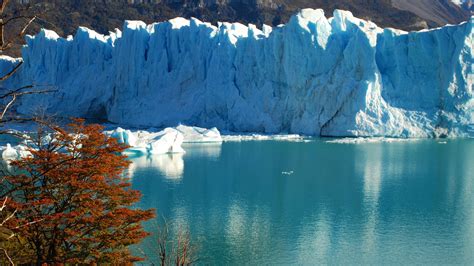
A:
[338,76]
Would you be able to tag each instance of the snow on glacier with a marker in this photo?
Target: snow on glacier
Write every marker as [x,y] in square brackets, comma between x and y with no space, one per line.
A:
[458,2]
[338,76]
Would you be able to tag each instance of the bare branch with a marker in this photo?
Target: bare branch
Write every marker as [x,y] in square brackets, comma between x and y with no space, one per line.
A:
[3,6]
[29,223]
[17,93]
[33,92]
[40,121]
[8,218]
[8,257]
[23,31]
[9,74]
[6,46]
[10,93]
[9,104]
[2,27]
[4,204]
[13,19]
[15,119]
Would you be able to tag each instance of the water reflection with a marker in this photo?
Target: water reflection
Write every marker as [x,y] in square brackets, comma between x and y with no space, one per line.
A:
[394,203]
[248,231]
[315,239]
[371,161]
[210,150]
[171,166]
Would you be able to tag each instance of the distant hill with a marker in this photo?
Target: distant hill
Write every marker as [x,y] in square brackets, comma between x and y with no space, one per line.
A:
[64,16]
[437,12]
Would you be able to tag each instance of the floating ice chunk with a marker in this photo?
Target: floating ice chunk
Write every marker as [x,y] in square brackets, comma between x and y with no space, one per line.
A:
[258,137]
[136,150]
[198,134]
[124,136]
[23,151]
[367,140]
[10,153]
[168,142]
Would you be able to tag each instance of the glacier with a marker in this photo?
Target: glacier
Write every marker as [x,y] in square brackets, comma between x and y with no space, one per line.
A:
[337,76]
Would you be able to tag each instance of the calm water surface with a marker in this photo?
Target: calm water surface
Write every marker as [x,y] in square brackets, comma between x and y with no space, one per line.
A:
[275,202]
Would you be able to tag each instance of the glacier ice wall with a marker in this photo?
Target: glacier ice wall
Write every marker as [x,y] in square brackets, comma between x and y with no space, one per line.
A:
[339,76]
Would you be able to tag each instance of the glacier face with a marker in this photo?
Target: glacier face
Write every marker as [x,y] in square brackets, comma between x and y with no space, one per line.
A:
[339,76]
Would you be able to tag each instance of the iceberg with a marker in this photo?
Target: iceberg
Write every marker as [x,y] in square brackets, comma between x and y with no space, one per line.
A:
[10,153]
[124,136]
[260,137]
[369,140]
[197,134]
[168,140]
[319,76]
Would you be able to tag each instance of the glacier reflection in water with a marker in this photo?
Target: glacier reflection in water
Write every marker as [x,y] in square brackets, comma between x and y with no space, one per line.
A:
[369,203]
[171,166]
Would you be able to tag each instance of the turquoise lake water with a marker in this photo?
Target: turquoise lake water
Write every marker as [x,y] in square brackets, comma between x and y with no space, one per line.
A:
[273,202]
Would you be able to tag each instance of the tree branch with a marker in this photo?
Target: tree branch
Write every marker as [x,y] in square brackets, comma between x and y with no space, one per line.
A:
[23,31]
[3,6]
[9,74]
[8,218]
[12,19]
[14,91]
[8,257]
[17,93]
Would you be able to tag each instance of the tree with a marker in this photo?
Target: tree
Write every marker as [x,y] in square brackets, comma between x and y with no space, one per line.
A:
[67,201]
[7,99]
[9,96]
[179,251]
[73,183]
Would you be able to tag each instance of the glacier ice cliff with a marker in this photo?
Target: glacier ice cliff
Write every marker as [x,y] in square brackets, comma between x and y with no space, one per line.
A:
[338,76]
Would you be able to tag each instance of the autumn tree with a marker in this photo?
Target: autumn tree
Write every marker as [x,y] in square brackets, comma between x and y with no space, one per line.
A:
[73,183]
[8,96]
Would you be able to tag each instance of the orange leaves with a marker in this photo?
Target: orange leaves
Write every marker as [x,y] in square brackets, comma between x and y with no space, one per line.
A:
[73,182]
